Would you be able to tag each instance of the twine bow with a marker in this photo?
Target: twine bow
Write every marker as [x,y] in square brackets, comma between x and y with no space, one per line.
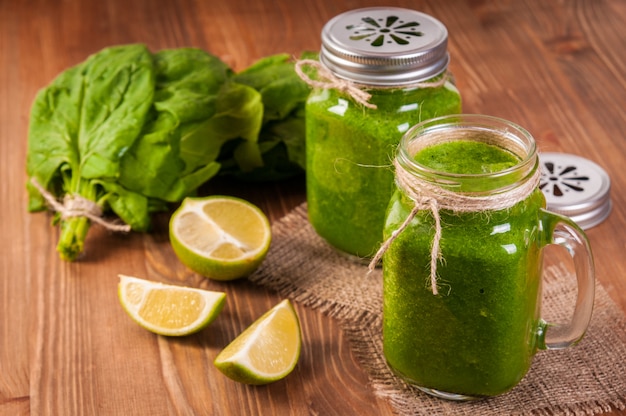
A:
[77,206]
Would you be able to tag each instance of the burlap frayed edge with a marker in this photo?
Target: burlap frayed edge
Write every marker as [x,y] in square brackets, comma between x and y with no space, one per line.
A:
[361,329]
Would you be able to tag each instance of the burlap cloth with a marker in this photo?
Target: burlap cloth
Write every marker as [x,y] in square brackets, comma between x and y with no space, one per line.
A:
[589,378]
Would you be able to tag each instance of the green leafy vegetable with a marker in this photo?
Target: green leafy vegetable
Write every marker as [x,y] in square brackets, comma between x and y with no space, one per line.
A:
[160,165]
[130,132]
[281,140]
[82,125]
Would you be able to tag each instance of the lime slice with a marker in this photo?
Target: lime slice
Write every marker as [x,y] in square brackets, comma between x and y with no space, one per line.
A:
[220,237]
[167,309]
[267,350]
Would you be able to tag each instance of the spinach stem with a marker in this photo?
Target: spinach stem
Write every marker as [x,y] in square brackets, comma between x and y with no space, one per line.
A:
[72,239]
[74,230]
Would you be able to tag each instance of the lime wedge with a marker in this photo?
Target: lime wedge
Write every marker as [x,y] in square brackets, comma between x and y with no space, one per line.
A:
[167,309]
[267,351]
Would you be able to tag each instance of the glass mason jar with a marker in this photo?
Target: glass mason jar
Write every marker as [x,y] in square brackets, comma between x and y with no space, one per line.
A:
[466,228]
[399,59]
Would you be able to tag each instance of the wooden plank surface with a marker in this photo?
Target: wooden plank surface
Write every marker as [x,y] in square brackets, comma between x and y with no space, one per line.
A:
[66,347]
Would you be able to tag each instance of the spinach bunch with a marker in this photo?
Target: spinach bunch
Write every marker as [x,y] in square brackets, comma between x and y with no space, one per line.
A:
[131,132]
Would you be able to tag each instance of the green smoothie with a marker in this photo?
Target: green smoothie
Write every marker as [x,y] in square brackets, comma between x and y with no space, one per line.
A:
[478,335]
[349,153]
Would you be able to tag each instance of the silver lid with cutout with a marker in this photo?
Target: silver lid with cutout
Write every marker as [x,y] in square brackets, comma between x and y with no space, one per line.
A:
[385,46]
[575,187]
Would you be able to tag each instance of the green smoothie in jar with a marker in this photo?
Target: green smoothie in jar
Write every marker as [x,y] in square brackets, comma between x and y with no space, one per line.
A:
[399,58]
[461,275]
[489,294]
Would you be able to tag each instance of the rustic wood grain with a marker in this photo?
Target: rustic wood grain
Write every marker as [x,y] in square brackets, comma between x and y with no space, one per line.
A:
[66,347]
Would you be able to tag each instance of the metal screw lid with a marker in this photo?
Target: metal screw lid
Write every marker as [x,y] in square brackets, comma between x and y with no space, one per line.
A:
[385,46]
[575,187]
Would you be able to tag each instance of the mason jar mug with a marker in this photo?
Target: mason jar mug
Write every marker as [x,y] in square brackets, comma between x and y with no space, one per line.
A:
[464,236]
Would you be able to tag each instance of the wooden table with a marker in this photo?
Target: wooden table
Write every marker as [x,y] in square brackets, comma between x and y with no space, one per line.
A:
[66,346]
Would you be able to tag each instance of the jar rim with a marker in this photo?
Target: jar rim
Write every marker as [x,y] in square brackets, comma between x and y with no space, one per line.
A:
[477,127]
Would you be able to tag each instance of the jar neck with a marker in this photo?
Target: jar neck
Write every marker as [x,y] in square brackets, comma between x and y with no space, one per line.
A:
[477,128]
[326,79]
[435,81]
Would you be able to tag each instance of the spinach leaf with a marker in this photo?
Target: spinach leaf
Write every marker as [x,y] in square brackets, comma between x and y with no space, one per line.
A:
[188,83]
[53,132]
[281,139]
[239,114]
[280,87]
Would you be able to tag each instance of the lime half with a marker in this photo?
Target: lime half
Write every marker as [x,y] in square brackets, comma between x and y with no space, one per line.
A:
[220,237]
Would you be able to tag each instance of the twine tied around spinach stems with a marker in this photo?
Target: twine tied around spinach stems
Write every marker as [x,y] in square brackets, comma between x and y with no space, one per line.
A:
[428,196]
[328,80]
[77,206]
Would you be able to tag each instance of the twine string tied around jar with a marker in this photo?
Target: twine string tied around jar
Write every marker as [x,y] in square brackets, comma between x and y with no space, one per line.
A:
[326,79]
[429,196]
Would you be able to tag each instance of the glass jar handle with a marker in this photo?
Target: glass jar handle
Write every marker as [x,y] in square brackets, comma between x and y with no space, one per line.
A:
[564,232]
